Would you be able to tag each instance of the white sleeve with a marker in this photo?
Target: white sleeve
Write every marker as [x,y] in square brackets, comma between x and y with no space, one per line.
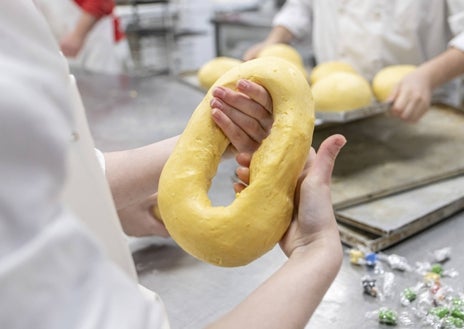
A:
[296,16]
[456,23]
[53,271]
[101,159]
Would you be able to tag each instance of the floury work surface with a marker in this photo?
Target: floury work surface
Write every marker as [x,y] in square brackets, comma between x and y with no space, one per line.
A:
[128,112]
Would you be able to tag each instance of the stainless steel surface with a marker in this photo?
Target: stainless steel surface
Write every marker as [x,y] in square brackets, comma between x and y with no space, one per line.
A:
[351,115]
[127,112]
[383,222]
[385,155]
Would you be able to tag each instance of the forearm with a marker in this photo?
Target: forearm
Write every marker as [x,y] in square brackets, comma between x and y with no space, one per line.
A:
[85,24]
[133,175]
[279,34]
[444,67]
[289,297]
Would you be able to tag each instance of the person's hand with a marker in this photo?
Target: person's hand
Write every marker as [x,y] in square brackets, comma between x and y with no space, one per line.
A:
[411,97]
[139,219]
[245,115]
[71,44]
[253,52]
[314,220]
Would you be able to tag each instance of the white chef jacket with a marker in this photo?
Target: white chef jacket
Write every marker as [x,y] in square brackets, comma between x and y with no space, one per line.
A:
[57,270]
[373,34]
[100,52]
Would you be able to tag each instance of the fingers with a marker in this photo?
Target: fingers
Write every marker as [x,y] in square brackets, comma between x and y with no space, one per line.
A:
[139,219]
[245,113]
[242,173]
[411,97]
[243,159]
[252,100]
[324,161]
[237,136]
[258,93]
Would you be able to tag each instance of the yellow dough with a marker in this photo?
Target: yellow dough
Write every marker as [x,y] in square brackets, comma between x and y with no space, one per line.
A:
[287,52]
[387,78]
[342,91]
[213,69]
[324,69]
[284,51]
[256,220]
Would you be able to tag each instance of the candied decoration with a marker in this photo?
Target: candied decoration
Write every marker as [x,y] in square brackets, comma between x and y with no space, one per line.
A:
[371,259]
[409,294]
[369,287]
[387,316]
[356,256]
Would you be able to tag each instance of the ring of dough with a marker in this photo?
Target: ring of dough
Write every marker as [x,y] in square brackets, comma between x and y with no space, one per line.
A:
[256,220]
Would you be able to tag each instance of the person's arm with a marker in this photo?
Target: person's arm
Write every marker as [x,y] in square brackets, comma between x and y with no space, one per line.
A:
[92,10]
[412,97]
[245,117]
[278,34]
[293,21]
[290,296]
[72,43]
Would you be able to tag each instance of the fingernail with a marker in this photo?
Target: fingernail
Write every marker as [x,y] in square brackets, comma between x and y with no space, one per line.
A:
[219,92]
[243,84]
[341,142]
[215,103]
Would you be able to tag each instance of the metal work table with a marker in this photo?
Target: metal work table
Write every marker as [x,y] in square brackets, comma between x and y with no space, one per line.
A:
[126,112]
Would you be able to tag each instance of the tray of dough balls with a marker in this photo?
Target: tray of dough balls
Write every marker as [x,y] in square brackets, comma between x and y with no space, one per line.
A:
[342,95]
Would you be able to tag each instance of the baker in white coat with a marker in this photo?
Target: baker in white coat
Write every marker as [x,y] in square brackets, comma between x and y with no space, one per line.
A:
[373,34]
[64,262]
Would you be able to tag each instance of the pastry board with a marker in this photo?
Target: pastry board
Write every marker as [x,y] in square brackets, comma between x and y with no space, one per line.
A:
[383,222]
[385,155]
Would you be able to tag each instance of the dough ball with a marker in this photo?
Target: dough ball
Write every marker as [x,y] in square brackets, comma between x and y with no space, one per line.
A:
[387,78]
[287,52]
[215,68]
[284,51]
[324,69]
[342,91]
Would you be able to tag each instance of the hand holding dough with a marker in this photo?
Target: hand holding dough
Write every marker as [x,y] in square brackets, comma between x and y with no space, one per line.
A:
[260,215]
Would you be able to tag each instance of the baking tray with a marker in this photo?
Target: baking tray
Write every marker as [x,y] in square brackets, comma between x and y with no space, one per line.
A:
[351,115]
[384,222]
[322,118]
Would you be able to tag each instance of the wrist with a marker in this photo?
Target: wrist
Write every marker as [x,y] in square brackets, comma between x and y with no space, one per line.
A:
[325,248]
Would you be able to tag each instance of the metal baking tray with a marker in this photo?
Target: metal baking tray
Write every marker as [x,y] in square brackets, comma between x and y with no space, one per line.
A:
[351,115]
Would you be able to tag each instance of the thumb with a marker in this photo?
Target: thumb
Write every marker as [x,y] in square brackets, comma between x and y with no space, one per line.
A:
[325,159]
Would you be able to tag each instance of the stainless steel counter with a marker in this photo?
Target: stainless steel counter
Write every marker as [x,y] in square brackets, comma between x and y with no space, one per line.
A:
[128,112]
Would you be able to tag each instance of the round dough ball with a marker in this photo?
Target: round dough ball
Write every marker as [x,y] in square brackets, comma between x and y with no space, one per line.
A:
[287,52]
[324,69]
[387,78]
[341,91]
[215,68]
[284,51]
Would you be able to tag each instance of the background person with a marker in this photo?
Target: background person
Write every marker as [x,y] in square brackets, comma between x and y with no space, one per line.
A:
[88,33]
[373,34]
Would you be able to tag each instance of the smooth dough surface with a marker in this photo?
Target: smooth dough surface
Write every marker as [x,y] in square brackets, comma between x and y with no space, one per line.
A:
[342,91]
[256,220]
[387,78]
[324,69]
[214,69]
[287,52]
[284,51]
